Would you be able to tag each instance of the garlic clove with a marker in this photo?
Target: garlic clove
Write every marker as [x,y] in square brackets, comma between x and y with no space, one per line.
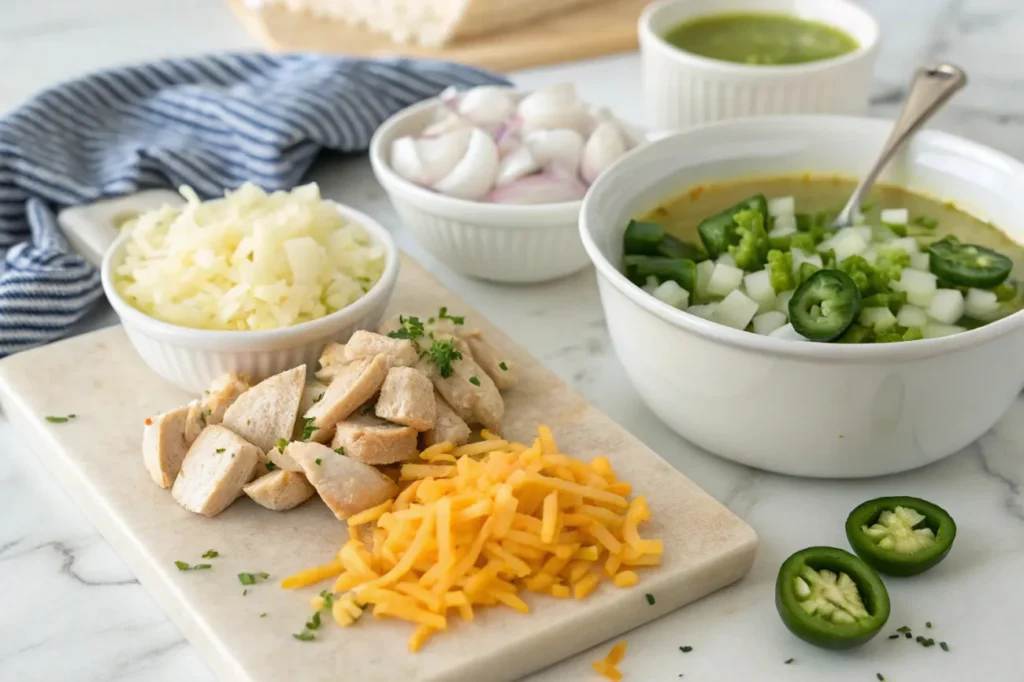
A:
[603,148]
[487,106]
[439,155]
[474,174]
[405,160]
[560,97]
[517,164]
[548,187]
[562,148]
[445,121]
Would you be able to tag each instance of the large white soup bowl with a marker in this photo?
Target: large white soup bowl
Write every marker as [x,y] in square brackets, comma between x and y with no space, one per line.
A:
[809,409]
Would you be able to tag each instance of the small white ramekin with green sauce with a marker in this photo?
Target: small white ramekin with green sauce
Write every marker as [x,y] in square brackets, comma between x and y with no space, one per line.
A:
[710,60]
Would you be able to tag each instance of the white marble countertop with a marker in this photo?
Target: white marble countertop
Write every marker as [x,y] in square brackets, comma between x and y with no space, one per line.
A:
[71,610]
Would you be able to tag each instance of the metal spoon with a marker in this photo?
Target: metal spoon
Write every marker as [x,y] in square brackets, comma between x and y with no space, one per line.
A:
[932,87]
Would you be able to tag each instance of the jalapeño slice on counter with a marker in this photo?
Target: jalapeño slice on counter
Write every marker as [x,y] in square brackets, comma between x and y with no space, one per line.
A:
[968,265]
[900,536]
[825,305]
[830,598]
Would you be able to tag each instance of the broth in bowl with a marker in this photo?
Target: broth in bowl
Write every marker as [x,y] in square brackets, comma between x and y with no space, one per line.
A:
[759,255]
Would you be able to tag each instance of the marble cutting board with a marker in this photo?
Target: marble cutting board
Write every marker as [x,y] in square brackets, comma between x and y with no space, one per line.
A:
[96,457]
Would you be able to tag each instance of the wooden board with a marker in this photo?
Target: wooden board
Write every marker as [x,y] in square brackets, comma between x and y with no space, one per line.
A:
[583,33]
[97,459]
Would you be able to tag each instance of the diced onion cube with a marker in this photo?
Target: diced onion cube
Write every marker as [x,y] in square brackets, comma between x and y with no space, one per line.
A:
[849,243]
[895,216]
[862,231]
[726,259]
[920,287]
[878,319]
[921,261]
[787,332]
[724,280]
[908,244]
[704,270]
[766,323]
[705,311]
[947,306]
[736,311]
[670,292]
[936,329]
[758,286]
[798,257]
[651,284]
[781,206]
[911,316]
[815,260]
[782,302]
[780,231]
[981,305]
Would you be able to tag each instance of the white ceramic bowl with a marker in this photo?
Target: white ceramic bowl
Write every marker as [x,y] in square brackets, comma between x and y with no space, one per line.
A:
[824,410]
[682,90]
[497,242]
[192,358]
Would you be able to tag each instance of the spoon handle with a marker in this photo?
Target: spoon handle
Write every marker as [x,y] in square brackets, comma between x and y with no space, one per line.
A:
[931,88]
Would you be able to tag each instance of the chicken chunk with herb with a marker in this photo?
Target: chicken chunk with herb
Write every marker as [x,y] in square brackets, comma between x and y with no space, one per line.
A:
[267,411]
[502,371]
[280,490]
[223,392]
[166,439]
[332,359]
[407,397]
[364,344]
[214,471]
[448,426]
[374,441]
[355,384]
[346,485]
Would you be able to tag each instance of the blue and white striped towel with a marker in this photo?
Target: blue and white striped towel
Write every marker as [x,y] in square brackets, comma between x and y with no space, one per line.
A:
[211,122]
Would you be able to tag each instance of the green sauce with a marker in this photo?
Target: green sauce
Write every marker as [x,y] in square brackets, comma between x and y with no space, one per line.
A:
[767,39]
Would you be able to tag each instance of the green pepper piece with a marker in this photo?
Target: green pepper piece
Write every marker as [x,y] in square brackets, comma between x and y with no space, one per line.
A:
[718,232]
[642,238]
[680,270]
[825,305]
[1007,291]
[901,536]
[673,247]
[830,598]
[857,334]
[968,265]
[805,271]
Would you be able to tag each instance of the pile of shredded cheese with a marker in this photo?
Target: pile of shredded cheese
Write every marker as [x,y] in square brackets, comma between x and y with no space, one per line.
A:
[609,665]
[476,525]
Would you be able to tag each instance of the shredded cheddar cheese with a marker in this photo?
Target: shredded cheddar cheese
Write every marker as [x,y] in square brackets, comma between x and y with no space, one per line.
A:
[480,525]
[608,666]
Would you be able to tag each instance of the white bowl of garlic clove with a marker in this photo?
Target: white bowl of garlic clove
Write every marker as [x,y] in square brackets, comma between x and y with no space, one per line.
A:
[490,180]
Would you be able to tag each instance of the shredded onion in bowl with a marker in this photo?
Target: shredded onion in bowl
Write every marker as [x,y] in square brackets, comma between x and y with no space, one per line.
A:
[249,261]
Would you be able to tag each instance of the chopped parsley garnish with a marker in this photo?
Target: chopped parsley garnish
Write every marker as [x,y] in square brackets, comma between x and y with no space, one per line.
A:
[308,428]
[263,615]
[686,649]
[789,660]
[314,622]
[317,460]
[503,366]
[894,636]
[904,629]
[252,578]
[340,450]
[943,646]
[908,635]
[281,444]
[182,566]
[60,420]
[412,329]
[271,466]
[319,398]
[367,409]
[328,599]
[650,599]
[305,636]
[928,625]
[220,450]
[880,676]
[211,554]
[245,592]
[474,381]
[442,354]
[442,314]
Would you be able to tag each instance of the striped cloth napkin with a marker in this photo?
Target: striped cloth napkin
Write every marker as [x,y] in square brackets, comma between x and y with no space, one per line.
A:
[211,122]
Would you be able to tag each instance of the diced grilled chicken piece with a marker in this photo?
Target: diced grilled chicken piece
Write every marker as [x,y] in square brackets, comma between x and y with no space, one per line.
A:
[346,485]
[374,441]
[392,324]
[468,391]
[282,460]
[195,422]
[166,439]
[311,395]
[332,359]
[364,344]
[280,490]
[216,467]
[502,371]
[407,398]
[448,426]
[267,411]
[223,392]
[355,384]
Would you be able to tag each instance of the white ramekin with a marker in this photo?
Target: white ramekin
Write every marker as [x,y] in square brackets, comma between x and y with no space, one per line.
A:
[192,358]
[497,242]
[682,90]
[810,409]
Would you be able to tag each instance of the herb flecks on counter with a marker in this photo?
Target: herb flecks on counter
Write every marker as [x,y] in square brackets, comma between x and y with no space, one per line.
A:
[183,566]
[60,420]
[211,554]
[252,578]
[650,599]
